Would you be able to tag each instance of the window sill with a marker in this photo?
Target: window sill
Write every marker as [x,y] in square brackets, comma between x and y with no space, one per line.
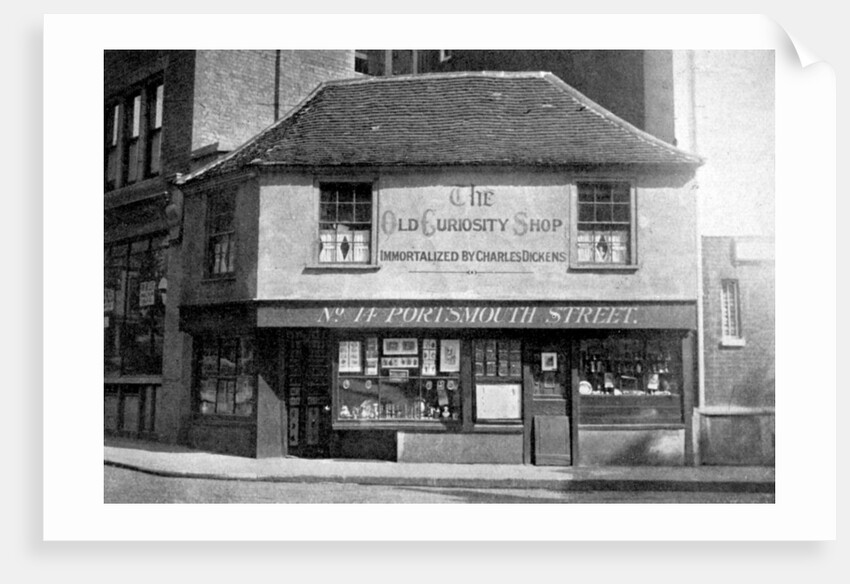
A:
[214,279]
[319,268]
[398,425]
[733,342]
[498,428]
[223,420]
[603,268]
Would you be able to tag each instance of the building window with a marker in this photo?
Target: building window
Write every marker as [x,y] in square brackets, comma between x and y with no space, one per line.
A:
[345,223]
[154,137]
[498,380]
[226,377]
[131,147]
[398,379]
[221,234]
[604,225]
[134,136]
[112,125]
[730,312]
[133,307]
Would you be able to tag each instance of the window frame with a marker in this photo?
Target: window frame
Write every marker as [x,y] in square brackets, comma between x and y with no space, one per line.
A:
[140,115]
[199,351]
[154,109]
[125,315]
[372,263]
[731,338]
[383,377]
[231,195]
[632,263]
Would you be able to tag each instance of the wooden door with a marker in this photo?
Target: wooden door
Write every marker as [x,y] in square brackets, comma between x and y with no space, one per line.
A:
[547,402]
[308,394]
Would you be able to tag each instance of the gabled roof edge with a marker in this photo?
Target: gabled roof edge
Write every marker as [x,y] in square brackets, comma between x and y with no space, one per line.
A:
[612,117]
[197,174]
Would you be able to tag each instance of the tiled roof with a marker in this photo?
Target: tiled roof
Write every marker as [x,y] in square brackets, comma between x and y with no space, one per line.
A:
[526,119]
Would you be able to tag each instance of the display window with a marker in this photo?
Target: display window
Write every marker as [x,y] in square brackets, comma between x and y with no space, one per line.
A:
[226,376]
[633,379]
[498,380]
[392,379]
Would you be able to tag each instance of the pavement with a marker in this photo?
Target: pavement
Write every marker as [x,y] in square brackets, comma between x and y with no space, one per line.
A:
[170,460]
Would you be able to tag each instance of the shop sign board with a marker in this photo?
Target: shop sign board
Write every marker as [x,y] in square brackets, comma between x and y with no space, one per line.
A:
[469,227]
[484,315]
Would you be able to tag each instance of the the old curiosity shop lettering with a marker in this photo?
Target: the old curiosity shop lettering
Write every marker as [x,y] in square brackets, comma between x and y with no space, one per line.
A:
[431,222]
[468,199]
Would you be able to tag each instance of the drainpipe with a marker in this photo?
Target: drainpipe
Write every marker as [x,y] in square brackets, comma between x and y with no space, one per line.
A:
[276,84]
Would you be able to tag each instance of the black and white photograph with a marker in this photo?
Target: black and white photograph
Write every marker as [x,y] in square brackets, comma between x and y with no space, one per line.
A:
[268,211]
[342,280]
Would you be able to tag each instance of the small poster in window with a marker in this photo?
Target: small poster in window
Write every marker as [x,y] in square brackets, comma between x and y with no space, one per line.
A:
[147,293]
[349,357]
[400,346]
[371,366]
[354,356]
[549,361]
[449,356]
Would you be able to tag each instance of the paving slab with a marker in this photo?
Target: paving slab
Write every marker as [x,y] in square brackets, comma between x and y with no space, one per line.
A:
[177,461]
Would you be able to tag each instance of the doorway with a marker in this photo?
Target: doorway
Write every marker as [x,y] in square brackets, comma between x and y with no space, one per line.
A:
[547,402]
[308,393]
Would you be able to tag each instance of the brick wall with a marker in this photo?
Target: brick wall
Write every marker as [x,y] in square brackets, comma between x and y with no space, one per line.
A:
[235,94]
[739,376]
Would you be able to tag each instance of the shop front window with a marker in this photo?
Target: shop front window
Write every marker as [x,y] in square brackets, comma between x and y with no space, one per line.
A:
[393,379]
[133,307]
[226,377]
[498,380]
[631,379]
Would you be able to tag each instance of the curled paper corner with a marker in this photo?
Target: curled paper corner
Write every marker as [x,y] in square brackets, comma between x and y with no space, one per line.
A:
[806,56]
[793,46]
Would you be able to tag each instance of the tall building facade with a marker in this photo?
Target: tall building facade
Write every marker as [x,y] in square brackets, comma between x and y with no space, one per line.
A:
[167,113]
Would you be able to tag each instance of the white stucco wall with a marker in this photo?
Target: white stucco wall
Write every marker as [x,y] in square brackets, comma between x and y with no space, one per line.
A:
[288,235]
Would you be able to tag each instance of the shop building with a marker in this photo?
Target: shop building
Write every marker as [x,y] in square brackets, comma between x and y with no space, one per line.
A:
[166,113]
[467,267]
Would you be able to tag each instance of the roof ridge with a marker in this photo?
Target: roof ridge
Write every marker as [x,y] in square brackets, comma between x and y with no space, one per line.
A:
[369,79]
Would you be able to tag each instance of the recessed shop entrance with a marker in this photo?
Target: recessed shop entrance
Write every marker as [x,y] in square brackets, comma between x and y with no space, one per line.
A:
[547,402]
[307,393]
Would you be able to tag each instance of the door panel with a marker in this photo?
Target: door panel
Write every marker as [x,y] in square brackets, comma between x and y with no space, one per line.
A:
[308,384]
[547,423]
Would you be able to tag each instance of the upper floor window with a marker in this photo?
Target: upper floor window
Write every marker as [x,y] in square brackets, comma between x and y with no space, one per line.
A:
[154,137]
[604,224]
[221,234]
[730,313]
[345,223]
[131,146]
[113,124]
[134,136]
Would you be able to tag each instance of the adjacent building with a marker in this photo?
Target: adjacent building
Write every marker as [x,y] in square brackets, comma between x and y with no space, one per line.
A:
[167,113]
